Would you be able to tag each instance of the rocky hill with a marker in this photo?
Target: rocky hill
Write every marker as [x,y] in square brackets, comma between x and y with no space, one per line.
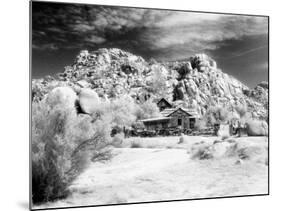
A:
[196,82]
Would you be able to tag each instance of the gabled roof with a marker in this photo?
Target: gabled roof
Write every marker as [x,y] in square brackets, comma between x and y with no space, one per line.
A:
[166,101]
[156,119]
[190,112]
[168,111]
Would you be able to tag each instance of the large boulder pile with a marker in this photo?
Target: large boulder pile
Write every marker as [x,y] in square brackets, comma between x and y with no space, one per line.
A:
[200,80]
[194,82]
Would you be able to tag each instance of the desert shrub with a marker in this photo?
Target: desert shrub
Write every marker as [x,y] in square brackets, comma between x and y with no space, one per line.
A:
[118,139]
[41,88]
[148,109]
[224,131]
[200,124]
[135,144]
[252,153]
[183,138]
[138,125]
[210,119]
[216,114]
[202,153]
[63,144]
[224,137]
[101,109]
[222,114]
[115,130]
[217,141]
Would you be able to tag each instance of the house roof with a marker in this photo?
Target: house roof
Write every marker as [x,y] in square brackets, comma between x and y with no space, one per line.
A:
[191,112]
[166,101]
[156,119]
[168,111]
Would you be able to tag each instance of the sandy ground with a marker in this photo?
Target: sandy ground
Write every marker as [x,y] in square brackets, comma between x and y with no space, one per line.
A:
[164,173]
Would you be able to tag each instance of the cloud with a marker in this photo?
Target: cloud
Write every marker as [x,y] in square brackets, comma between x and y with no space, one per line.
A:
[203,31]
[95,39]
[50,46]
[60,26]
[259,67]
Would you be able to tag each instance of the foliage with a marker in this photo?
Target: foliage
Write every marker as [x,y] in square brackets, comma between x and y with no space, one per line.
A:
[138,125]
[148,109]
[200,124]
[62,146]
[202,153]
[43,86]
[123,111]
[158,81]
[118,139]
[216,114]
[135,145]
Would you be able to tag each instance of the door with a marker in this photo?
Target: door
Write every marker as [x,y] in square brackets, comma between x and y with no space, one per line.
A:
[180,123]
[191,123]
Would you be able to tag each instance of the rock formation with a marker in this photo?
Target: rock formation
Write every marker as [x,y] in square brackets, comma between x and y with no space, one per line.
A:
[195,82]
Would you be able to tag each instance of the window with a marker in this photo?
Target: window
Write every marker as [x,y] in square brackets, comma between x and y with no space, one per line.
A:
[179,121]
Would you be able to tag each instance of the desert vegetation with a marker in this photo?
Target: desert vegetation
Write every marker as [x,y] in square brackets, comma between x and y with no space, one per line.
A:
[80,123]
[65,142]
[228,115]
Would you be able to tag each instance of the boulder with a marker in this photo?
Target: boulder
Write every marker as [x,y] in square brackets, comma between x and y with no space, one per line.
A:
[83,84]
[263,84]
[62,96]
[257,128]
[88,100]
[213,64]
[114,72]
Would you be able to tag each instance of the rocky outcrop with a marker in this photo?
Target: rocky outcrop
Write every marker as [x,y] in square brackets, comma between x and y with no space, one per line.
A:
[196,82]
[88,100]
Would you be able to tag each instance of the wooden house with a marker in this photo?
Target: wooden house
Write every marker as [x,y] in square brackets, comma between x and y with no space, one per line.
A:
[180,118]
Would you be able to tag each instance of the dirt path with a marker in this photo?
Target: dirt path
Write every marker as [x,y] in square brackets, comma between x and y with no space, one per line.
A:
[136,175]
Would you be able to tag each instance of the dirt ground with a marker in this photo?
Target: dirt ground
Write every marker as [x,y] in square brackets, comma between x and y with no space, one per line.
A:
[161,169]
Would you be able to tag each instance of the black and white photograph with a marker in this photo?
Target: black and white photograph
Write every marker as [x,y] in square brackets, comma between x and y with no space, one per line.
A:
[135,105]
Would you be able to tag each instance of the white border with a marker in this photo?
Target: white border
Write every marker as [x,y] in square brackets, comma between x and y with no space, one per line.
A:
[15,103]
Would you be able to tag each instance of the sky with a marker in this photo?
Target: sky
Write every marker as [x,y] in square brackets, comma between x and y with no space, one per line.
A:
[238,43]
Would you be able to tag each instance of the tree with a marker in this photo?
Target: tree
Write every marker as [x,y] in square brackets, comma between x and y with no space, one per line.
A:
[216,114]
[123,111]
[158,79]
[148,109]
